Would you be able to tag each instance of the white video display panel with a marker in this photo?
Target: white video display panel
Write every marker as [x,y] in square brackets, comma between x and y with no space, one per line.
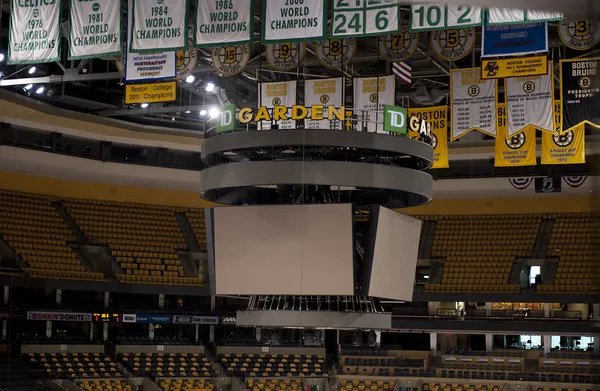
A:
[284,250]
[395,256]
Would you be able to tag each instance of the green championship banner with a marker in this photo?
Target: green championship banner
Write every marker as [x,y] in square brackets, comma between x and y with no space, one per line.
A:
[34,33]
[158,25]
[364,18]
[294,20]
[95,29]
[434,17]
[223,22]
[501,16]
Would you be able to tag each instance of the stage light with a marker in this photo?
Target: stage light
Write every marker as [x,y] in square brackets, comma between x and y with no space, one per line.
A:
[202,113]
[28,87]
[210,87]
[190,79]
[32,70]
[213,112]
[40,90]
[187,111]
[2,57]
[144,105]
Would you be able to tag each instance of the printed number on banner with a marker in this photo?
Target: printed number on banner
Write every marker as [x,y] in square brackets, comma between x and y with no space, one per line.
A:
[357,17]
[428,17]
[224,5]
[463,16]
[348,23]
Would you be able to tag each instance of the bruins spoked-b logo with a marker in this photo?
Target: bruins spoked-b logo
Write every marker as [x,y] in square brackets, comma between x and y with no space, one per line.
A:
[528,87]
[474,90]
[276,101]
[324,99]
[433,140]
[452,44]
[563,140]
[374,97]
[516,141]
[335,52]
[230,60]
[285,56]
[579,35]
[400,46]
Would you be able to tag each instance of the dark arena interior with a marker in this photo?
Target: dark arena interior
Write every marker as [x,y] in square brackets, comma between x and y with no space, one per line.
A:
[299,195]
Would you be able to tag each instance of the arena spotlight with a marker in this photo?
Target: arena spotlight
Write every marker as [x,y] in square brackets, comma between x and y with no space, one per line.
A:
[188,111]
[28,87]
[213,112]
[144,105]
[40,90]
[190,79]
[210,87]
[32,70]
[2,57]
[202,112]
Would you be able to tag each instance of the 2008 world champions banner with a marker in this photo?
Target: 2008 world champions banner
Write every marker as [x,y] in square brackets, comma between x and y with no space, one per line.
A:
[95,29]
[580,91]
[34,35]
[294,20]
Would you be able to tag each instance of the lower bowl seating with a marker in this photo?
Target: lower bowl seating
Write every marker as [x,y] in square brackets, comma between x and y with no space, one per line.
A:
[177,384]
[366,385]
[267,365]
[105,385]
[275,384]
[460,387]
[75,365]
[167,364]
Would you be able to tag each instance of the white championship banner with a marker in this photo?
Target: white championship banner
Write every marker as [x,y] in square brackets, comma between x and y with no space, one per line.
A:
[529,101]
[34,35]
[498,16]
[96,29]
[158,25]
[223,23]
[370,95]
[435,17]
[473,102]
[294,20]
[277,94]
[323,92]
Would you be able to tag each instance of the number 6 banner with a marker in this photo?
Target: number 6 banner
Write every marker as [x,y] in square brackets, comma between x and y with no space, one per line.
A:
[158,25]
[364,18]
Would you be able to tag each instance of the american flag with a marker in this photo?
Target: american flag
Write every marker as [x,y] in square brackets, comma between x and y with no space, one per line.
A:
[403,71]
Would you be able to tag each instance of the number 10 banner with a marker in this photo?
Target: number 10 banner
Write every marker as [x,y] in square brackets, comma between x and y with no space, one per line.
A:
[435,16]
[361,18]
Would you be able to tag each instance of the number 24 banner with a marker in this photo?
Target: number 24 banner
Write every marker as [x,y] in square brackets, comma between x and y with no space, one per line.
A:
[362,18]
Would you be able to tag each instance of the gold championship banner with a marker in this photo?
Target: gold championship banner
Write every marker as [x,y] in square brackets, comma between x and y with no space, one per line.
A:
[437,117]
[518,150]
[566,148]
[513,67]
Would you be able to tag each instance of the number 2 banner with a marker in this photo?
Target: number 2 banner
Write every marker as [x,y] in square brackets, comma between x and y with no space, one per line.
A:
[158,25]
[96,29]
[294,20]
[362,18]
[435,17]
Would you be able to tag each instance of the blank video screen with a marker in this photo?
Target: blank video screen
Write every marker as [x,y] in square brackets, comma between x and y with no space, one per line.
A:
[284,250]
[395,251]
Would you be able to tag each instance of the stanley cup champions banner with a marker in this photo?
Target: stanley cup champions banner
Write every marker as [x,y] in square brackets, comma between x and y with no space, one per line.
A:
[473,102]
[294,20]
[579,90]
[518,150]
[323,92]
[95,29]
[223,22]
[437,117]
[277,94]
[563,148]
[34,35]
[529,102]
[158,25]
[370,95]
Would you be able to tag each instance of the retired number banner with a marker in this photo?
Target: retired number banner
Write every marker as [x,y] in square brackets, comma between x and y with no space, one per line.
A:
[294,20]
[579,86]
[158,25]
[277,94]
[223,22]
[563,148]
[437,118]
[370,95]
[529,102]
[34,35]
[518,150]
[96,29]
[323,92]
[365,18]
[473,102]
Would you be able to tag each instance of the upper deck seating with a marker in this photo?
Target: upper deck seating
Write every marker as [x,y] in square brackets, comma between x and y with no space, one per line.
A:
[168,364]
[267,365]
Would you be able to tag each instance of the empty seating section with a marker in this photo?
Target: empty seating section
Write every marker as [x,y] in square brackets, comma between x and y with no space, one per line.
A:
[366,385]
[196,219]
[575,241]
[142,238]
[105,385]
[479,251]
[275,384]
[380,366]
[75,365]
[33,228]
[177,384]
[15,376]
[461,387]
[273,365]
[167,364]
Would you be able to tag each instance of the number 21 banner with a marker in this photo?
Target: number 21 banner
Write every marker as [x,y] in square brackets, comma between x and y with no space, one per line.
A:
[158,25]
[96,29]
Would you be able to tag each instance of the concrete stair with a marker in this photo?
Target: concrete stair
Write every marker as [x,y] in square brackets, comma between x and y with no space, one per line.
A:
[549,271]
[189,267]
[515,273]
[79,235]
[426,241]
[8,257]
[188,232]
[81,257]
[102,261]
[542,239]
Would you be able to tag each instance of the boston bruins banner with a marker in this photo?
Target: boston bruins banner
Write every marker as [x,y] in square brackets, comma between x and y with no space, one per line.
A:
[323,92]
[294,20]
[579,90]
[158,25]
[473,102]
[437,117]
[453,44]
[518,150]
[34,35]
[370,94]
[223,23]
[95,29]
[277,94]
[563,148]
[529,102]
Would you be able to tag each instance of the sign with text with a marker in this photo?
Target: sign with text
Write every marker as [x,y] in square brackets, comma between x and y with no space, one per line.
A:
[514,39]
[59,316]
[326,93]
[563,148]
[223,23]
[580,91]
[436,119]
[281,95]
[513,67]
[147,318]
[158,25]
[227,121]
[435,17]
[294,20]
[370,96]
[195,319]
[34,34]
[360,18]
[150,93]
[395,119]
[95,29]
[518,150]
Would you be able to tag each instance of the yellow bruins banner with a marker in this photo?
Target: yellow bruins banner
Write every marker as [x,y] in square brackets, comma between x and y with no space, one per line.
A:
[566,148]
[518,150]
[437,117]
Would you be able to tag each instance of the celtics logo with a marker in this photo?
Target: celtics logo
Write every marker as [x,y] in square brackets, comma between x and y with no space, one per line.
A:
[230,60]
[453,44]
[563,140]
[474,90]
[324,99]
[516,141]
[528,87]
[398,47]
[285,56]
[373,98]
[579,35]
[335,52]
